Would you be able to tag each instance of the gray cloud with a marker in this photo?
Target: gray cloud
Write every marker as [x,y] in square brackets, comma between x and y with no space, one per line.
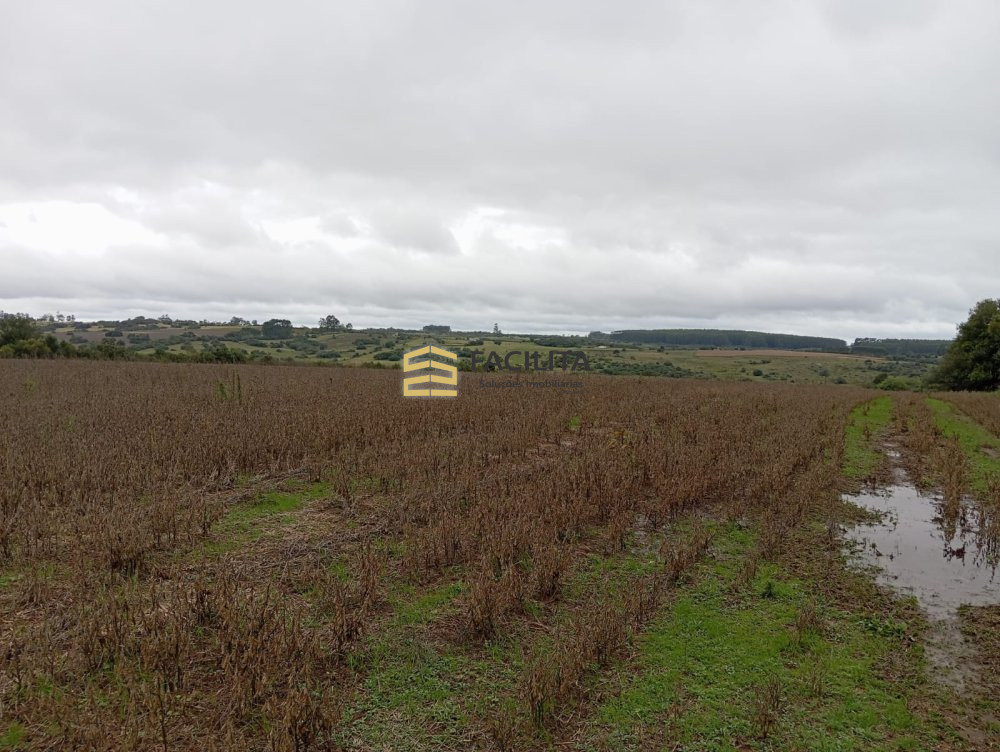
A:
[815,167]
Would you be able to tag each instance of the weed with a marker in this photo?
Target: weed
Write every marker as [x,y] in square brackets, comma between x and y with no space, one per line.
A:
[767,704]
[808,620]
[884,627]
[817,673]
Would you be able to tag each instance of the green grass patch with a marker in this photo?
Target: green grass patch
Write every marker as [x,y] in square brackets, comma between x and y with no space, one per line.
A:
[701,662]
[861,453]
[424,608]
[13,737]
[243,522]
[43,570]
[340,569]
[421,693]
[977,443]
[598,571]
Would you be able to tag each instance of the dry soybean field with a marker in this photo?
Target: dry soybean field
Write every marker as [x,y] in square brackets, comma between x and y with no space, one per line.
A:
[209,557]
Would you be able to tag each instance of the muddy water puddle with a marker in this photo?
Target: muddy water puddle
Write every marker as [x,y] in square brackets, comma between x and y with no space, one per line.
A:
[923,548]
[942,553]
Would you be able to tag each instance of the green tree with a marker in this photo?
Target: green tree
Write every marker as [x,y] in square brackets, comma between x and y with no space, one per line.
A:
[277,329]
[330,323]
[15,327]
[973,360]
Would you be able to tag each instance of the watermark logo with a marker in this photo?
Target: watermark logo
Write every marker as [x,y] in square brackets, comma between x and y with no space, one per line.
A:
[531,360]
[411,383]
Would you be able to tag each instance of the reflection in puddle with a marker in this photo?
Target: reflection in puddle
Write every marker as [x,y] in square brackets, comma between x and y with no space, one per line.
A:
[944,553]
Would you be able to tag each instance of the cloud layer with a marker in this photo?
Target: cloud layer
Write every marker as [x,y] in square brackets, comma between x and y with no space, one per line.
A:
[813,167]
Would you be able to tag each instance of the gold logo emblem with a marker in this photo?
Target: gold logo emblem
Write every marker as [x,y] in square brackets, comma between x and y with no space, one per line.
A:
[410,363]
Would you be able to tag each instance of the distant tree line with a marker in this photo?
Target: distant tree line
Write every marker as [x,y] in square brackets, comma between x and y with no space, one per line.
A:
[560,340]
[900,347]
[20,337]
[724,338]
[61,336]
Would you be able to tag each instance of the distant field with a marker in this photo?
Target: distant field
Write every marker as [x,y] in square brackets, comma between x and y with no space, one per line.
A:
[780,354]
[385,348]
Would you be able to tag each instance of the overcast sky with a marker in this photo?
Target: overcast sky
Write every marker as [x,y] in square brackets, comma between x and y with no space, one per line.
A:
[828,168]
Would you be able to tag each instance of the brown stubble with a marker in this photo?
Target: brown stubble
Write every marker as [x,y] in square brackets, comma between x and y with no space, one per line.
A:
[118,632]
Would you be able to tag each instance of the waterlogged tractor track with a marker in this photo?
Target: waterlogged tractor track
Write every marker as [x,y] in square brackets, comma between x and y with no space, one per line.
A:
[934,538]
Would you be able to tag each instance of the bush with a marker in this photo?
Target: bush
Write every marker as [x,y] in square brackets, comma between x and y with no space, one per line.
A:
[894,384]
